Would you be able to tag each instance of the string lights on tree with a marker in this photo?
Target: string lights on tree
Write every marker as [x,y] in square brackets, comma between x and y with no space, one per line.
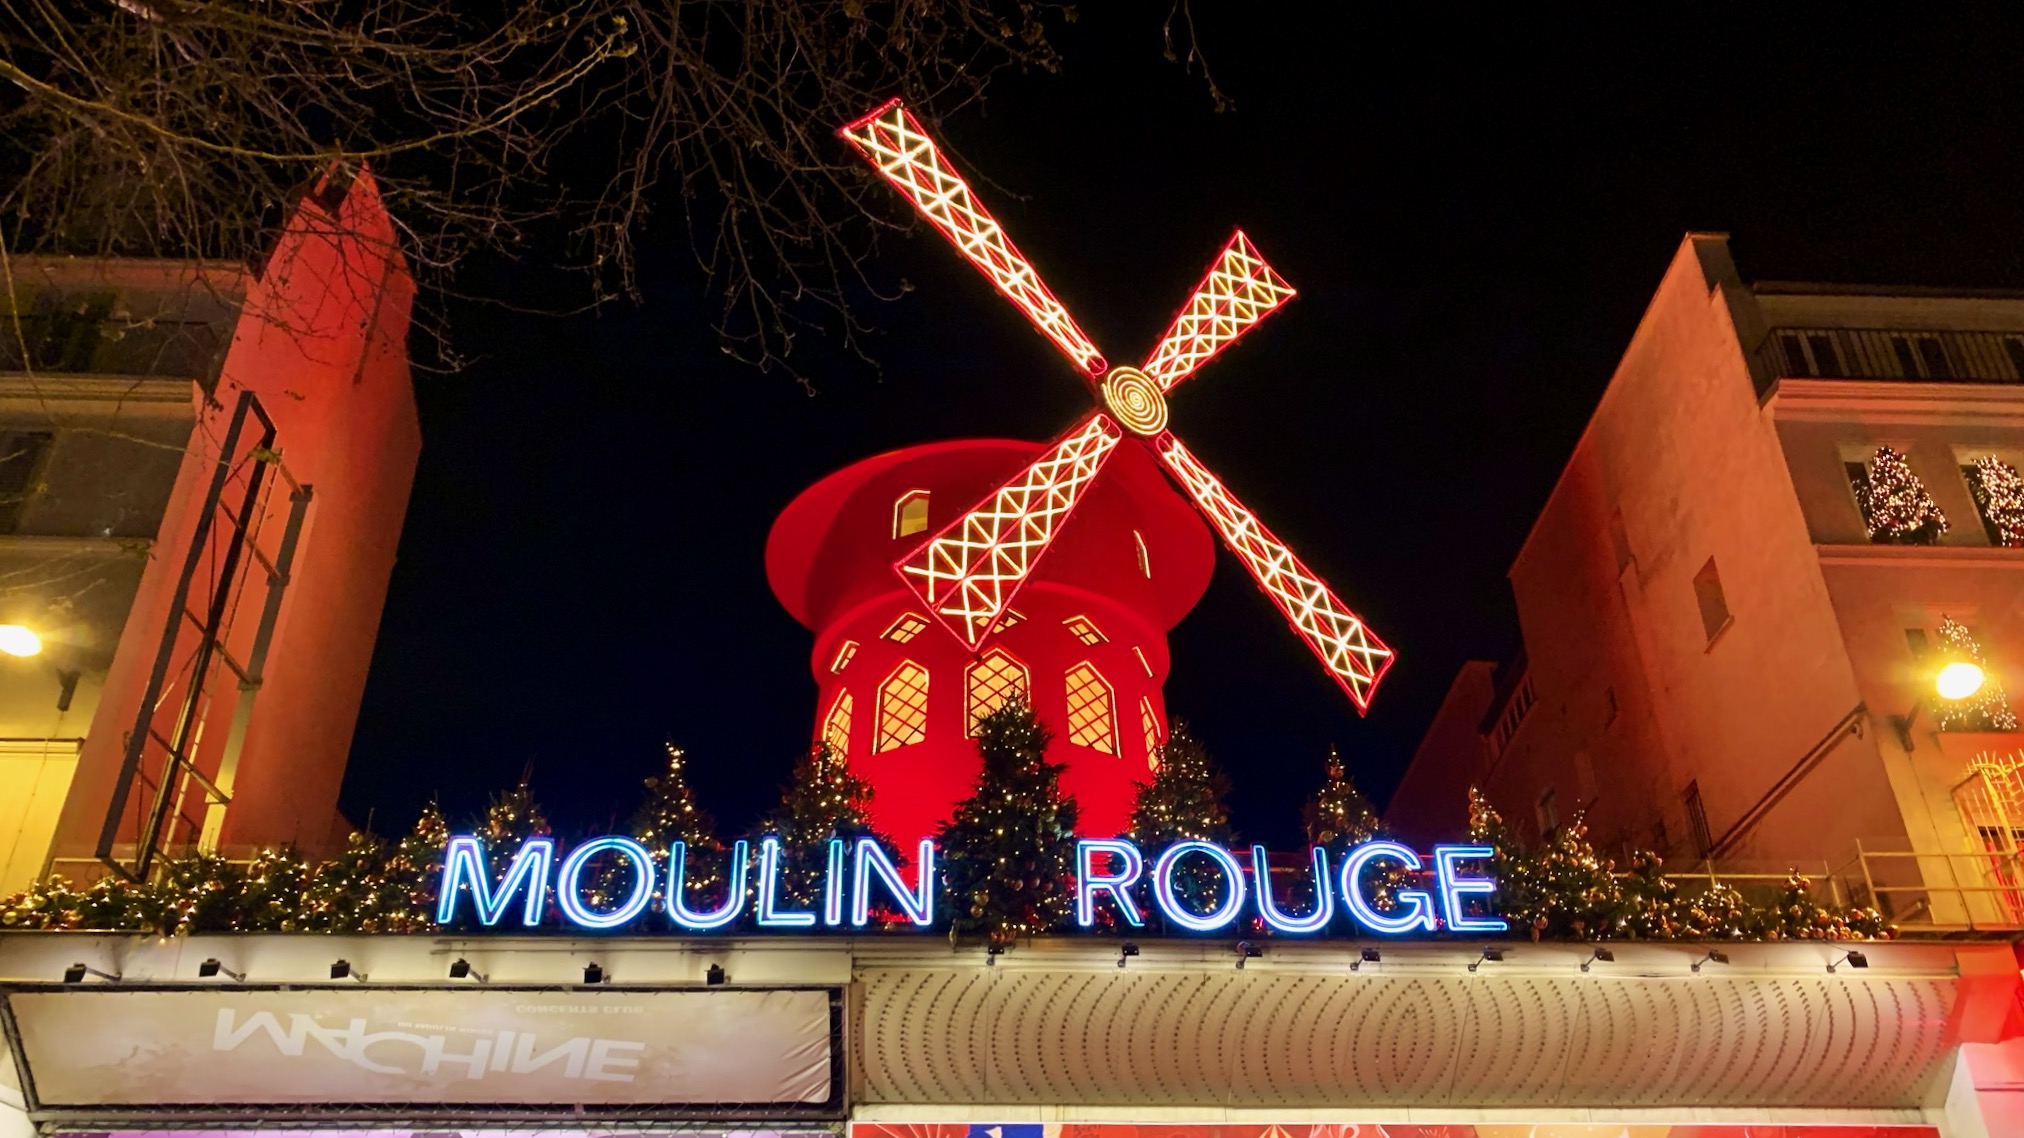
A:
[1009,853]
[969,571]
[822,800]
[1896,505]
[1999,493]
[1988,708]
[1184,802]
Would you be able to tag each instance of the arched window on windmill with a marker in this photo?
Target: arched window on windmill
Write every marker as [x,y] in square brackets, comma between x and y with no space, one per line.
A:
[1145,560]
[902,707]
[990,684]
[836,726]
[910,513]
[1092,709]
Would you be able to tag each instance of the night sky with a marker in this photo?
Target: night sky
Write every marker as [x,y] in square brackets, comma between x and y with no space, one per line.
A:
[1474,215]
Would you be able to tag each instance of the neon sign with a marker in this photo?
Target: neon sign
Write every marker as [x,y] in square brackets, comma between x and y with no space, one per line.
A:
[1108,872]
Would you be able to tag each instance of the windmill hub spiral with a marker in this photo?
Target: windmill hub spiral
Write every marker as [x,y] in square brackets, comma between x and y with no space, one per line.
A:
[1136,401]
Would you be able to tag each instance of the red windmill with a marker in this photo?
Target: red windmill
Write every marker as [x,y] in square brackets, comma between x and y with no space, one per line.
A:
[968,572]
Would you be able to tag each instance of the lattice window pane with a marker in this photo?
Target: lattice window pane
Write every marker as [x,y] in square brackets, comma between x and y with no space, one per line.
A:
[902,707]
[1092,715]
[843,656]
[1151,723]
[993,681]
[1145,560]
[1011,617]
[908,626]
[1084,629]
[910,513]
[836,726]
[1143,662]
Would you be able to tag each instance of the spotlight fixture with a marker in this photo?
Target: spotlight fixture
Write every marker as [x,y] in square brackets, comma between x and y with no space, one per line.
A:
[1126,951]
[992,952]
[76,973]
[341,970]
[1854,958]
[1366,956]
[1600,953]
[460,969]
[593,974]
[715,977]
[1247,951]
[1714,954]
[1490,953]
[212,967]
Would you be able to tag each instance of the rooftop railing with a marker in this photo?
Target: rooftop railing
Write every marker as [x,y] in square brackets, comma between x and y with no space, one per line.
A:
[1894,353]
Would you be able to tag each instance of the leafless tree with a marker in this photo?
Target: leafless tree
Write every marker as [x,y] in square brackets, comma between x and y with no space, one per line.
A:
[184,128]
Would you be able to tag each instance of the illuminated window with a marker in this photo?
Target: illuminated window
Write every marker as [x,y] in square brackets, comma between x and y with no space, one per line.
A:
[902,707]
[1011,617]
[1145,559]
[843,656]
[910,513]
[908,626]
[836,725]
[1151,723]
[1092,717]
[993,680]
[1085,630]
[1143,662]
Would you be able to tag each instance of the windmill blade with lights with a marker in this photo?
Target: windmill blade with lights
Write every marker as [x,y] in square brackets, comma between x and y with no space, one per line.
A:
[968,572]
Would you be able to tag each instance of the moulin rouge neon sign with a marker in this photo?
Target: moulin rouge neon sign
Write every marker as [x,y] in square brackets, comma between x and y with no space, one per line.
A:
[858,876]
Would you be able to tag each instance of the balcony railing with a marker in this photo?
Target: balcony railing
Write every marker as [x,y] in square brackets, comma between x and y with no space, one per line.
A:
[1894,353]
[62,344]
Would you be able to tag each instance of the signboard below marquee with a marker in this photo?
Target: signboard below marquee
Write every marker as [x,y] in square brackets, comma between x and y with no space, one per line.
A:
[1109,874]
[103,1052]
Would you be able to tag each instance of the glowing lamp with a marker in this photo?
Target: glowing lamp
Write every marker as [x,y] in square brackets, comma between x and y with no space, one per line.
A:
[1959,680]
[17,640]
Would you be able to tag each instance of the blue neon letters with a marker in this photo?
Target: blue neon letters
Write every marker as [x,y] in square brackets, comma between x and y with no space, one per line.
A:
[1112,870]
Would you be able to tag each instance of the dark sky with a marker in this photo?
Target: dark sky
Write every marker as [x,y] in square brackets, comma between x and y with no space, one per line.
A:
[1475,216]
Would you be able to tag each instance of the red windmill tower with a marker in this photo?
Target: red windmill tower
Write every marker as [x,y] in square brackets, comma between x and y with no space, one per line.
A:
[1099,554]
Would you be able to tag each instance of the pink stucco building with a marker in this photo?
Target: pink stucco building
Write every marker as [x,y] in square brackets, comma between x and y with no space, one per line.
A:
[1719,660]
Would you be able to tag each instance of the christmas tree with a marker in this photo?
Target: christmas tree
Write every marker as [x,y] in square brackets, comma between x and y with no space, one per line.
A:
[274,890]
[1517,898]
[1576,895]
[1184,802]
[669,814]
[1999,493]
[1338,816]
[413,872]
[347,892]
[1988,709]
[1895,503]
[1651,908]
[1009,853]
[822,800]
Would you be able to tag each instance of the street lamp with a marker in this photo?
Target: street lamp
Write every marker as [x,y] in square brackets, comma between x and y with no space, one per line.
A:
[1955,681]
[19,640]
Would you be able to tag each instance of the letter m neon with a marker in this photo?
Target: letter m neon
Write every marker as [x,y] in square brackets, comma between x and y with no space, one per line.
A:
[464,868]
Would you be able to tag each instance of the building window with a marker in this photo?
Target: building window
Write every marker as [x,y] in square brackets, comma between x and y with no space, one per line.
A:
[21,458]
[1084,629]
[992,682]
[1151,724]
[910,513]
[1920,643]
[836,726]
[902,707]
[1092,712]
[2014,348]
[1011,617]
[1714,605]
[1812,354]
[1547,812]
[1697,821]
[843,657]
[1921,357]
[1999,499]
[908,626]
[1145,560]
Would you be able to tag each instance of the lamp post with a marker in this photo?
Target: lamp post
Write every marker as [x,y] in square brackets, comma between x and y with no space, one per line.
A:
[1955,681]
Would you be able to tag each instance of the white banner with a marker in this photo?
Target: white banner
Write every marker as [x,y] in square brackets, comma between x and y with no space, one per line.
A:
[136,1048]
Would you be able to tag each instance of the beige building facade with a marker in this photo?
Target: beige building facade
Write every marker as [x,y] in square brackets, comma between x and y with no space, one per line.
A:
[1720,662]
